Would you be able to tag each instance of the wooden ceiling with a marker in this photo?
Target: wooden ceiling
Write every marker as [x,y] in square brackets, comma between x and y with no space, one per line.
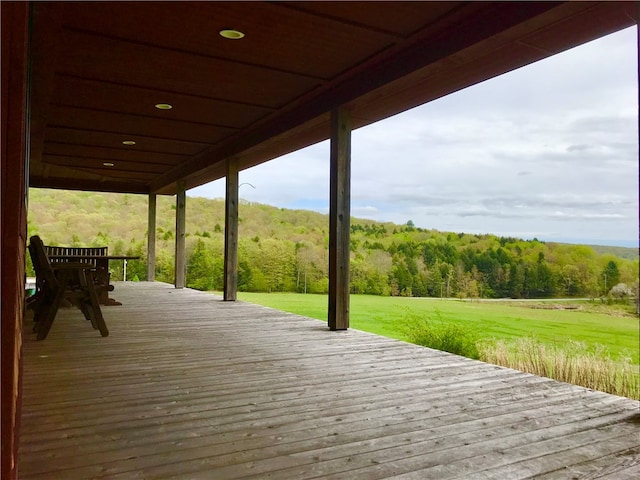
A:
[99,69]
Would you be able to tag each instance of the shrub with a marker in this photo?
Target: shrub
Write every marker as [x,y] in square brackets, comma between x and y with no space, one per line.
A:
[621,292]
[441,335]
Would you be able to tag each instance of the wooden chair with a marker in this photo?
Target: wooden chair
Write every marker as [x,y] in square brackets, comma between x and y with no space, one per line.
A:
[70,281]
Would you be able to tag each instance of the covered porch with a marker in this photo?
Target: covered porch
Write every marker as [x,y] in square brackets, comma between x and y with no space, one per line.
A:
[154,99]
[190,386]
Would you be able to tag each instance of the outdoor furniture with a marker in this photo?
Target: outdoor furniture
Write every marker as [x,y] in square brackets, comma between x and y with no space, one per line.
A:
[95,256]
[71,281]
[98,257]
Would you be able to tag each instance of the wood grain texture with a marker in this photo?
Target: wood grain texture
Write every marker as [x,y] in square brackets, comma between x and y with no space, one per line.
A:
[339,219]
[231,232]
[190,386]
[151,237]
[269,91]
[13,222]
[181,230]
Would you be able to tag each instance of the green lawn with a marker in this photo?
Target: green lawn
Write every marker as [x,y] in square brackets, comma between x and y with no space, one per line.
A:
[384,316]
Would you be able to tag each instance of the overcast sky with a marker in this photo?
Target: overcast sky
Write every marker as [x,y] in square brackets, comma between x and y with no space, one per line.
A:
[547,151]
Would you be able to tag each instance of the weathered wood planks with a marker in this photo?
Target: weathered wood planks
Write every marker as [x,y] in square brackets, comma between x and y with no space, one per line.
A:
[180,260]
[339,219]
[231,231]
[189,386]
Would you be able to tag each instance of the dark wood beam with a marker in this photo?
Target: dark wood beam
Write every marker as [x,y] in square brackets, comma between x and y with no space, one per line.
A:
[13,223]
[46,19]
[73,161]
[231,233]
[181,217]
[104,153]
[151,239]
[339,220]
[87,185]
[96,166]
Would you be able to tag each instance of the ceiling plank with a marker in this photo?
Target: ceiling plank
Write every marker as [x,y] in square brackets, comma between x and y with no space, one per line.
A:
[106,95]
[98,70]
[495,19]
[288,35]
[134,126]
[75,162]
[115,154]
[398,18]
[157,68]
[107,172]
[114,140]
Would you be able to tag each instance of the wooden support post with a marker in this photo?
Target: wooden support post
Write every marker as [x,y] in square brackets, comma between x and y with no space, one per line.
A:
[180,260]
[231,233]
[339,219]
[13,222]
[151,239]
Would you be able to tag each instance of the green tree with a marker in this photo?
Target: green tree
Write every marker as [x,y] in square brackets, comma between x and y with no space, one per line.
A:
[165,266]
[569,276]
[517,280]
[403,280]
[277,264]
[137,268]
[410,226]
[200,268]
[397,259]
[542,281]
[610,275]
[435,282]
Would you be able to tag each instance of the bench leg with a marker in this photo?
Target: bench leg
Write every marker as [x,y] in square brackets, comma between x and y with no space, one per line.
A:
[47,311]
[97,320]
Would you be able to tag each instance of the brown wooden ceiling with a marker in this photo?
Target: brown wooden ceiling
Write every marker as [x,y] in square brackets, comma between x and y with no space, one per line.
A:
[98,69]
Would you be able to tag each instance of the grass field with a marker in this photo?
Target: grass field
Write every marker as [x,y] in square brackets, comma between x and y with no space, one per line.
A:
[592,324]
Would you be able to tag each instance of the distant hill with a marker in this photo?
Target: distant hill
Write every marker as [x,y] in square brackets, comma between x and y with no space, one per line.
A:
[287,250]
[622,252]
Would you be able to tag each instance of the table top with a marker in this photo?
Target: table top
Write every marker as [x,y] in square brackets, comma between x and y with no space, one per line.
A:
[94,257]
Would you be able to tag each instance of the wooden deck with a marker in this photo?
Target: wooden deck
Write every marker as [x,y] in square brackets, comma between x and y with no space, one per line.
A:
[190,387]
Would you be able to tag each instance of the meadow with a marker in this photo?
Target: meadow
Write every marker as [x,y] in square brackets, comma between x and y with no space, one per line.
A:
[604,329]
[586,343]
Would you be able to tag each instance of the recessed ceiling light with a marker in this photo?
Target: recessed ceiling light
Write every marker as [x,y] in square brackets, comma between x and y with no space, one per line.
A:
[108,164]
[128,142]
[164,106]
[231,34]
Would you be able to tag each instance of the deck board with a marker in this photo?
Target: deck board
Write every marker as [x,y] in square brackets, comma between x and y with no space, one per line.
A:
[188,386]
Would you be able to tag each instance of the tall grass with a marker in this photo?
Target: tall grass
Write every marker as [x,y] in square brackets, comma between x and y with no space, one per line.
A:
[440,335]
[571,363]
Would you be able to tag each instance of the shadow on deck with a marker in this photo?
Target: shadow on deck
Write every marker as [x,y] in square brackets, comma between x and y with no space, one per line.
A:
[190,387]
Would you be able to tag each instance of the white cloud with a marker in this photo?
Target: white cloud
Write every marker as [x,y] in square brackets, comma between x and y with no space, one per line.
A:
[547,151]
[363,211]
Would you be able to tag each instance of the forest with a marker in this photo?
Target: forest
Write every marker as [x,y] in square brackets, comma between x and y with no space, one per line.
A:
[283,250]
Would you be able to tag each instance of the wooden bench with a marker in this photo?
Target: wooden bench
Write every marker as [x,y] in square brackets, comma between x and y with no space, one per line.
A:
[56,282]
[102,276]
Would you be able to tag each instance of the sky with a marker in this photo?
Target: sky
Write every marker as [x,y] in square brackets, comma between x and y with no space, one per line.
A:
[548,151]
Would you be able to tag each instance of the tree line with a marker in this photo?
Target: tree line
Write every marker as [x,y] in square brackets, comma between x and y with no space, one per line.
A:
[283,250]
